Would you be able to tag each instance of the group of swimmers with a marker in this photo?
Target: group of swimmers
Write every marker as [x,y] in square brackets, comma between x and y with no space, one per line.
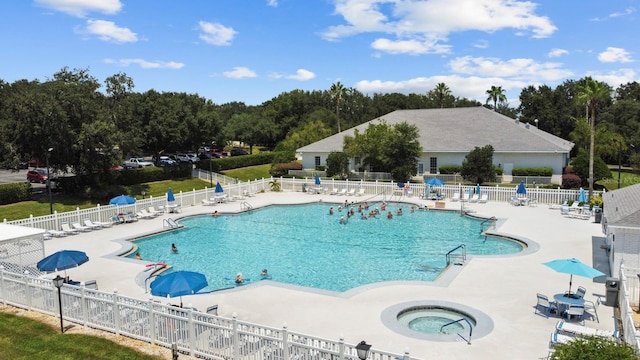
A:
[240,279]
[362,210]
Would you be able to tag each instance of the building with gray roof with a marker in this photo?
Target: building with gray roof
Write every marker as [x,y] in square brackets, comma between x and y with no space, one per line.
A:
[448,135]
[621,225]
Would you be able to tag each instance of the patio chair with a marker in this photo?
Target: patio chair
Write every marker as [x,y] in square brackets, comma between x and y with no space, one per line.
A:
[76,225]
[91,224]
[360,192]
[56,233]
[152,210]
[456,196]
[580,292]
[514,201]
[475,198]
[591,308]
[545,306]
[483,198]
[67,229]
[351,192]
[576,311]
[213,310]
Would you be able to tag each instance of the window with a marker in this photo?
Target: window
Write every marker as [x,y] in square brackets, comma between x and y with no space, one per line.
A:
[317,160]
[433,165]
[420,168]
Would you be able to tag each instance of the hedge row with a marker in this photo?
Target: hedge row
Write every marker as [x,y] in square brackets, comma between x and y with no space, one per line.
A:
[235,162]
[15,192]
[541,171]
[456,169]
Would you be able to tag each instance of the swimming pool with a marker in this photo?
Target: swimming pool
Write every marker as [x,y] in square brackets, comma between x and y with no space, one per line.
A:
[304,245]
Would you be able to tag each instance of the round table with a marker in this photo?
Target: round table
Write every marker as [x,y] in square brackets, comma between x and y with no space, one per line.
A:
[566,300]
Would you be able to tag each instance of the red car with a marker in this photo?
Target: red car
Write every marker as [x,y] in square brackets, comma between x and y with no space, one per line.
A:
[37,175]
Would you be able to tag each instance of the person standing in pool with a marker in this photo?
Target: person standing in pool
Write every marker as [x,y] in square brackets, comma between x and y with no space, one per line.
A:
[264,273]
[239,279]
[174,249]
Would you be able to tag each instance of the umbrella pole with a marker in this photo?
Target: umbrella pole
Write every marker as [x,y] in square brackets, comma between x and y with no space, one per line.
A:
[570,281]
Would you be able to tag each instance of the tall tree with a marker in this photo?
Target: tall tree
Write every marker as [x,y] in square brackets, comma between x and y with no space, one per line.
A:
[441,93]
[496,94]
[591,92]
[338,92]
[477,166]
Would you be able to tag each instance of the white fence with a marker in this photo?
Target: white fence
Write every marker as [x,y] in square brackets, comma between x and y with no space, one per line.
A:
[236,189]
[629,287]
[195,333]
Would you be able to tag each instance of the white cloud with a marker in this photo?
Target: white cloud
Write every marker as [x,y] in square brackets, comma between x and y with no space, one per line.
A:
[412,47]
[108,31]
[146,64]
[557,53]
[216,34]
[481,44]
[272,3]
[80,8]
[522,69]
[472,87]
[302,75]
[625,12]
[412,21]
[240,72]
[614,54]
[617,77]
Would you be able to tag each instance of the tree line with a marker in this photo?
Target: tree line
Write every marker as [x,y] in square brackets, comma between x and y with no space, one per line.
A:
[91,126]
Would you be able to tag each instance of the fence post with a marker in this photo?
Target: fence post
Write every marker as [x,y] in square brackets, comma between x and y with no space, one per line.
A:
[85,308]
[2,291]
[27,290]
[152,322]
[116,313]
[285,341]
[192,332]
[236,336]
[341,348]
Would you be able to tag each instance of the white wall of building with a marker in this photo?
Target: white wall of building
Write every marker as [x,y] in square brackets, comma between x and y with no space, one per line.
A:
[625,247]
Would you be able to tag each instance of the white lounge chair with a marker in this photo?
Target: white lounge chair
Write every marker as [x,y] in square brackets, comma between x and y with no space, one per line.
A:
[143,214]
[575,329]
[76,225]
[152,210]
[206,202]
[475,198]
[465,197]
[558,338]
[351,192]
[92,225]
[343,192]
[56,233]
[483,198]
[67,229]
[334,191]
[456,196]
[360,192]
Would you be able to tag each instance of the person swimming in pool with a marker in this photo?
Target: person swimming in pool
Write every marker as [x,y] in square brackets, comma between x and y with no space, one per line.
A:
[331,211]
[389,215]
[174,248]
[264,273]
[239,279]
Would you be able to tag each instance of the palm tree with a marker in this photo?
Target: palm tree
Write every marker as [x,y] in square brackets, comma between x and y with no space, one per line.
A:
[338,91]
[496,94]
[442,91]
[591,92]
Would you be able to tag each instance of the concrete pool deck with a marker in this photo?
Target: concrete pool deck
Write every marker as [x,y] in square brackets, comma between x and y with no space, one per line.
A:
[504,288]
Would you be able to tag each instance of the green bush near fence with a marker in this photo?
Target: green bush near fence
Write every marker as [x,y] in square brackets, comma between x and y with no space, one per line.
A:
[450,169]
[15,192]
[235,162]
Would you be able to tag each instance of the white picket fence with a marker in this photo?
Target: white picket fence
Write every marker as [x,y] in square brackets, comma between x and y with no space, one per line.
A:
[192,332]
[629,287]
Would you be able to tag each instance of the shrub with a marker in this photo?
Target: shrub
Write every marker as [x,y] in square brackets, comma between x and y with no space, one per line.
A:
[278,170]
[542,171]
[571,181]
[450,169]
[15,192]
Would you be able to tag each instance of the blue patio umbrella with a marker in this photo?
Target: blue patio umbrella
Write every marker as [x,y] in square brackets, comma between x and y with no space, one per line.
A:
[122,200]
[583,196]
[522,190]
[434,182]
[478,189]
[317,180]
[573,266]
[218,188]
[170,196]
[62,260]
[178,283]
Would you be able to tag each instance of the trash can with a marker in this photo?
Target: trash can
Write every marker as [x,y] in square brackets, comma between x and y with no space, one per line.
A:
[597,212]
[612,286]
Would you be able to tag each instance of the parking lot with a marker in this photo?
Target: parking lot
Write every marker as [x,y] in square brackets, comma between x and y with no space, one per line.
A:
[9,176]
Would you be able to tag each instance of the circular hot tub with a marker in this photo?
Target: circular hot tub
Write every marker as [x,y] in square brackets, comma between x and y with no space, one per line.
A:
[437,321]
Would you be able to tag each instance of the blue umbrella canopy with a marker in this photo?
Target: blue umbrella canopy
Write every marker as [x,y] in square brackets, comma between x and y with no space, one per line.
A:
[178,283]
[62,260]
[219,188]
[573,266]
[317,180]
[478,189]
[583,196]
[170,196]
[434,182]
[522,190]
[122,200]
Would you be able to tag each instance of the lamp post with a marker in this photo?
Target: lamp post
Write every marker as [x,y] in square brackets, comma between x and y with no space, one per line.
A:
[619,162]
[363,350]
[210,174]
[143,193]
[57,282]
[536,121]
[49,180]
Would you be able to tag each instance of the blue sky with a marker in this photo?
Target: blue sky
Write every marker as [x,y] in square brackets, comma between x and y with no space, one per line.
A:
[253,50]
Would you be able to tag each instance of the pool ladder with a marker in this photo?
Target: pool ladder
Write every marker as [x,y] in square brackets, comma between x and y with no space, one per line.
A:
[457,321]
[245,206]
[462,257]
[170,222]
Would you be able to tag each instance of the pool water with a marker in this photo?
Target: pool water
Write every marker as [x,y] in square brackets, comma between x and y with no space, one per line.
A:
[304,245]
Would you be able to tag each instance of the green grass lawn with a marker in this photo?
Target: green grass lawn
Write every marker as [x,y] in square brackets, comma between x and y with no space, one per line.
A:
[24,338]
[250,173]
[626,179]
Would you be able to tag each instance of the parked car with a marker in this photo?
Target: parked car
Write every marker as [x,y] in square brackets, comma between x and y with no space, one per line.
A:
[238,152]
[183,158]
[167,161]
[193,158]
[205,156]
[135,163]
[37,175]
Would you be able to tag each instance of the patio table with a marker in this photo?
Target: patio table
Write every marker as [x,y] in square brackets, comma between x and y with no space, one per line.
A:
[566,300]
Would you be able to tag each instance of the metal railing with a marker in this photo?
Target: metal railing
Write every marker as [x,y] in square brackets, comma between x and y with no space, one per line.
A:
[190,331]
